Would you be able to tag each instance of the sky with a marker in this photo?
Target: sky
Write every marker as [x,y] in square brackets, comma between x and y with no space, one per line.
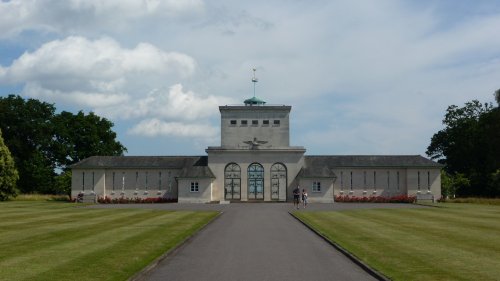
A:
[363,77]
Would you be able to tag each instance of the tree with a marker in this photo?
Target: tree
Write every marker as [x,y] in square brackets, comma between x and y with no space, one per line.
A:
[468,146]
[43,142]
[80,136]
[497,96]
[8,172]
[28,132]
[63,183]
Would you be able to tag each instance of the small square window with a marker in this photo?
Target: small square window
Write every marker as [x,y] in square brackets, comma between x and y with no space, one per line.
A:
[276,122]
[244,122]
[233,122]
[194,187]
[255,122]
[265,122]
[316,186]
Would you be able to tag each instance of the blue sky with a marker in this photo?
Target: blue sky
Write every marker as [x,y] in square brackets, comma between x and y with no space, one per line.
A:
[363,77]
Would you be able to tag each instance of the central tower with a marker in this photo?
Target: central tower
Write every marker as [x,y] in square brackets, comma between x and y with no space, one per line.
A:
[254,160]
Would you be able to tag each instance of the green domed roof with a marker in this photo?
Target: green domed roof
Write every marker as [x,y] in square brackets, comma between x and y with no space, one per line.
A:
[254,101]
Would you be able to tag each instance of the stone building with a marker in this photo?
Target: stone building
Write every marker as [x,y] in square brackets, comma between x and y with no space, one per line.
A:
[255,162]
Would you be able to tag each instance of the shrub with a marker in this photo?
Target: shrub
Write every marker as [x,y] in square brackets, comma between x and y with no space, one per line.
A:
[375,199]
[137,200]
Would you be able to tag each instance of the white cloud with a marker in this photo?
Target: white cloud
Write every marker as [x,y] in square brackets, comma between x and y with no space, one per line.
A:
[94,73]
[156,127]
[171,104]
[77,16]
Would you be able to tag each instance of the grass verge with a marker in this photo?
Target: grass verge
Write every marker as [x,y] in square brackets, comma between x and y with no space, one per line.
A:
[56,241]
[40,197]
[457,242]
[486,201]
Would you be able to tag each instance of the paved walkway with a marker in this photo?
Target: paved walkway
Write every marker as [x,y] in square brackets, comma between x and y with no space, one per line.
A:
[257,242]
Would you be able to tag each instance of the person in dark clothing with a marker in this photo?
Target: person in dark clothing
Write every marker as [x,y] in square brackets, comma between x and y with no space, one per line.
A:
[296,197]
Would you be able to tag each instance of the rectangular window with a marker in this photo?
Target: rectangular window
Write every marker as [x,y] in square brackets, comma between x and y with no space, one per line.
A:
[397,173]
[93,180]
[159,180]
[232,122]
[374,180]
[265,122]
[341,181]
[146,181]
[388,180]
[113,181]
[351,181]
[276,122]
[194,187]
[244,122]
[316,186]
[123,181]
[83,181]
[255,122]
[418,180]
[136,179]
[428,180]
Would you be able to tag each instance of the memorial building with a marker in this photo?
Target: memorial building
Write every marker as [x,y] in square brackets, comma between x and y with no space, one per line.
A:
[255,162]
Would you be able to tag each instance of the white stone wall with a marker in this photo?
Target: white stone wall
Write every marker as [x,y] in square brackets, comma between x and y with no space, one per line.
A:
[370,182]
[234,135]
[325,195]
[203,195]
[128,183]
[218,160]
[87,181]
[386,182]
[424,181]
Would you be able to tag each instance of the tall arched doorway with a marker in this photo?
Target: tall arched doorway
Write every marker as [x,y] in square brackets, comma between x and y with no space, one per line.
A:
[255,182]
[232,182]
[278,180]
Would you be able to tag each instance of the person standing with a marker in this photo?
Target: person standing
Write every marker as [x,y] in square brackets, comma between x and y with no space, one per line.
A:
[296,197]
[304,198]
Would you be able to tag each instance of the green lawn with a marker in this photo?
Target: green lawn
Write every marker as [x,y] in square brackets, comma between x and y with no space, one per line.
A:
[455,242]
[56,241]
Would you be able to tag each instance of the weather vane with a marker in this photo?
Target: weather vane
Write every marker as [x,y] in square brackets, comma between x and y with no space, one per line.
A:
[254,80]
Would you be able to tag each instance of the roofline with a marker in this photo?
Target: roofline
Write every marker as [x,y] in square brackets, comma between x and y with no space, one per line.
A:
[299,149]
[208,177]
[255,107]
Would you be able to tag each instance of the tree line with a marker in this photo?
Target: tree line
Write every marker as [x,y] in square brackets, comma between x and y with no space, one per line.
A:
[469,147]
[43,143]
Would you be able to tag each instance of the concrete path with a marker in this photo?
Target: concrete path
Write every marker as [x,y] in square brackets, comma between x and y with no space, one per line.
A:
[257,242]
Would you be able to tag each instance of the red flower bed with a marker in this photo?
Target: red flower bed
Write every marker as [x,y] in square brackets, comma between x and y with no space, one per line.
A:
[375,199]
[126,200]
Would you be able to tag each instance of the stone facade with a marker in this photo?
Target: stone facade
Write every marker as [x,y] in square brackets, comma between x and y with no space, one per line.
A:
[255,162]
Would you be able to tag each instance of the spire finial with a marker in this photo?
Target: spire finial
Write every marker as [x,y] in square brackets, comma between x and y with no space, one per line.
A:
[254,80]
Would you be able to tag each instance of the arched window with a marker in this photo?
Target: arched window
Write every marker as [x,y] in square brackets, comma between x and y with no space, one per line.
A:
[278,180]
[255,182]
[232,182]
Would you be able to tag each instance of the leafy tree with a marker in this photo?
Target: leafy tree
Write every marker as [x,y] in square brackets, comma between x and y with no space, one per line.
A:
[468,145]
[63,183]
[497,96]
[42,142]
[80,136]
[451,183]
[28,134]
[8,172]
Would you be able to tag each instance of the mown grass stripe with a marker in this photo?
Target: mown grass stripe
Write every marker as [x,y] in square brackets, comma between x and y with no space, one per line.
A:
[142,255]
[88,244]
[58,242]
[75,233]
[69,221]
[453,243]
